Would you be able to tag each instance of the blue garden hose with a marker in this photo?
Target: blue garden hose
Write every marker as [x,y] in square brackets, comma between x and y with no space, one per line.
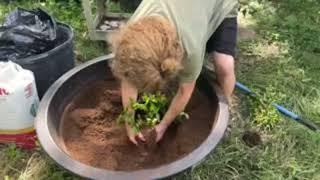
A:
[281,109]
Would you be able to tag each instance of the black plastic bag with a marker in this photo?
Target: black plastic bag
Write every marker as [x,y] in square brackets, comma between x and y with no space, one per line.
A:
[26,33]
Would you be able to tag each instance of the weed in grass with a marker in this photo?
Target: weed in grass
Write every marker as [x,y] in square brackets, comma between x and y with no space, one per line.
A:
[263,112]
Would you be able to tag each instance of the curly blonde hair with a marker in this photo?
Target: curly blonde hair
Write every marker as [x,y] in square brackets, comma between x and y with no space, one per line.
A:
[148,53]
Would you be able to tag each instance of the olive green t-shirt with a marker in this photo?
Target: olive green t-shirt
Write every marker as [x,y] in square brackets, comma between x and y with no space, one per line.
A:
[195,22]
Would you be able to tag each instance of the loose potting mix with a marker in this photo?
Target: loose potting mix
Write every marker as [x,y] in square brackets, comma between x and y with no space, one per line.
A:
[93,136]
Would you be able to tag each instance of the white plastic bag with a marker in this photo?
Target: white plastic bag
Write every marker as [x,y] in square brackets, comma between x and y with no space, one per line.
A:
[18,104]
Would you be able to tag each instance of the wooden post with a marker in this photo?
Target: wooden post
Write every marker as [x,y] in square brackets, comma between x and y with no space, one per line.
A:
[101,8]
[89,18]
[93,20]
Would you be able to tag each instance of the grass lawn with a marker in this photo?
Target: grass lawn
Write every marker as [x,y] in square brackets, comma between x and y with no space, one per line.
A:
[280,62]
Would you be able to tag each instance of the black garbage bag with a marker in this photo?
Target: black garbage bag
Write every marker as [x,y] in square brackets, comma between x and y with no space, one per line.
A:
[26,33]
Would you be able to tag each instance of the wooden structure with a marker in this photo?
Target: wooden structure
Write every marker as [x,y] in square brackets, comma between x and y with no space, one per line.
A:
[93,21]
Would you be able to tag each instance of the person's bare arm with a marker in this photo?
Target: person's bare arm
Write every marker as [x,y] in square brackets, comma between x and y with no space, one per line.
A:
[128,93]
[177,105]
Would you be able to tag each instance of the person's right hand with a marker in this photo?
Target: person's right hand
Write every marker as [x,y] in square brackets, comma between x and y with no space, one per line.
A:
[133,136]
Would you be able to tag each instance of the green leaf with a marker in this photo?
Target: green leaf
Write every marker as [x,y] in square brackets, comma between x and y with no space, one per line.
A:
[149,110]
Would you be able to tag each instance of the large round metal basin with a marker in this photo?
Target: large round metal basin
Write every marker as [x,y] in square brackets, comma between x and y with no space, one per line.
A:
[65,88]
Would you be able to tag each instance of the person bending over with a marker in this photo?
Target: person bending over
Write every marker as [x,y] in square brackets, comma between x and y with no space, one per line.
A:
[168,39]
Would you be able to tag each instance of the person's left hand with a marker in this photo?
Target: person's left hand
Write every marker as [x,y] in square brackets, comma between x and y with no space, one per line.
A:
[160,130]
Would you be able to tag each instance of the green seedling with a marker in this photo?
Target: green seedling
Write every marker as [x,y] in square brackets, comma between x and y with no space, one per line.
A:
[147,112]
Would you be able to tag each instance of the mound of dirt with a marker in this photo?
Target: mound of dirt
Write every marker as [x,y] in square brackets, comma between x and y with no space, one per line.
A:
[91,134]
[252,138]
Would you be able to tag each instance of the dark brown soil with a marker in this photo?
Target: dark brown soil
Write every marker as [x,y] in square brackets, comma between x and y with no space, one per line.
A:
[149,145]
[92,135]
[252,138]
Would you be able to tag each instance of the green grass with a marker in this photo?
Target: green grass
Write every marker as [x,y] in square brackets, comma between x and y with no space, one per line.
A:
[25,165]
[281,64]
